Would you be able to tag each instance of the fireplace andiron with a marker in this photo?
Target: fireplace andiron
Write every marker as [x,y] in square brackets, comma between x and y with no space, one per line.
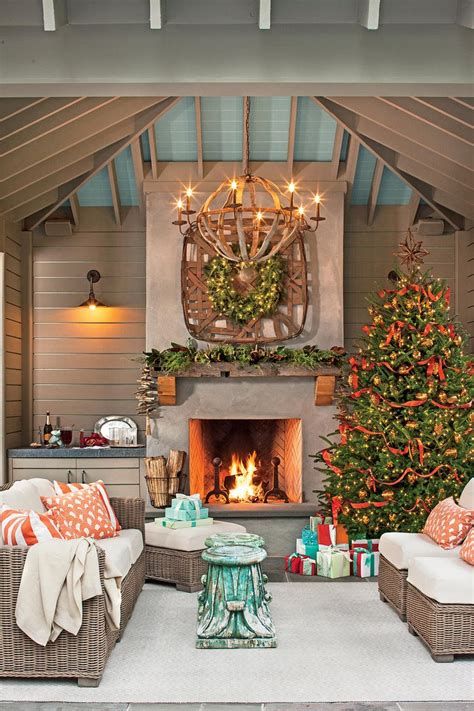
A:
[276,492]
[217,491]
[233,607]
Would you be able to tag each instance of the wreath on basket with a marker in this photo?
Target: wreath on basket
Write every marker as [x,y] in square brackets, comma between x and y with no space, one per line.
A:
[245,291]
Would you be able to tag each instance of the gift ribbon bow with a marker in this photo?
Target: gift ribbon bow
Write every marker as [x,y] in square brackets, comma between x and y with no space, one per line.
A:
[370,553]
[195,499]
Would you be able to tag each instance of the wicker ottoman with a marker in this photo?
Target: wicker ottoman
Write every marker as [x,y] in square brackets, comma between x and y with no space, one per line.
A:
[174,556]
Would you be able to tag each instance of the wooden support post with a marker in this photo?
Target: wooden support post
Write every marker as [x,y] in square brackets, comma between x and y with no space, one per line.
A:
[166,390]
[324,389]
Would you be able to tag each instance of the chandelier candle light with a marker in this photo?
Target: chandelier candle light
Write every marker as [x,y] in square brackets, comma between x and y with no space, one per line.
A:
[245,220]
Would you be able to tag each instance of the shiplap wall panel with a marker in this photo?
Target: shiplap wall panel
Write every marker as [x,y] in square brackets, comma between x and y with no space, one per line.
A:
[368,257]
[465,261]
[85,362]
[12,335]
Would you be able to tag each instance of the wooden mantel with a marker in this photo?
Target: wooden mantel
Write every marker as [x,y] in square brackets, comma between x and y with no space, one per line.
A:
[324,378]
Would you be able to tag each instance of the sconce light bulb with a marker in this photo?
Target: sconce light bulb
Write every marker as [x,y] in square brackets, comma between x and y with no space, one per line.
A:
[301,210]
[233,185]
[189,192]
[291,187]
[259,216]
[92,307]
[179,204]
[317,198]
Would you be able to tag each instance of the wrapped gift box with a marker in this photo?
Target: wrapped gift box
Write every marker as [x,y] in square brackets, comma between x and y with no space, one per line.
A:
[315,521]
[365,564]
[182,515]
[300,564]
[174,523]
[308,566]
[309,536]
[333,563]
[187,503]
[309,549]
[371,544]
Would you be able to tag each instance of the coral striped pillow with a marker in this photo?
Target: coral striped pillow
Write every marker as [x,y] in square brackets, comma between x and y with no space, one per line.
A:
[25,528]
[80,514]
[448,524]
[467,548]
[61,487]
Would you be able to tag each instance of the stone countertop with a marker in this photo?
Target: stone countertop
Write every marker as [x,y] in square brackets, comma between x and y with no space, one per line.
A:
[259,511]
[77,452]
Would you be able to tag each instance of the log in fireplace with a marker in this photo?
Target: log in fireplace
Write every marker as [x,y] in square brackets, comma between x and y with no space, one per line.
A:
[246,460]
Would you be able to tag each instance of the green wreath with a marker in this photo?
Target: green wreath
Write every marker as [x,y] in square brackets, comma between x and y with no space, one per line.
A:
[223,276]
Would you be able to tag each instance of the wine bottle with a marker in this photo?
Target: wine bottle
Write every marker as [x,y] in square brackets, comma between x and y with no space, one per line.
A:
[47,429]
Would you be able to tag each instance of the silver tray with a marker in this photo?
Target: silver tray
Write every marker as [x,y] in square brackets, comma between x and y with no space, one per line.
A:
[121,431]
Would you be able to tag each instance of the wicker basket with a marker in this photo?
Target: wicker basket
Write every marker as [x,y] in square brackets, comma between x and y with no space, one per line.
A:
[161,486]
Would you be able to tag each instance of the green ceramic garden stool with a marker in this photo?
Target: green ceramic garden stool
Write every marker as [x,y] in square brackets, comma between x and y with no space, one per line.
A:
[234,539]
[233,607]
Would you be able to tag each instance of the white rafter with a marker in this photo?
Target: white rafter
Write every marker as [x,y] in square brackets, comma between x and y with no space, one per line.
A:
[465,13]
[157,18]
[54,14]
[264,14]
[369,14]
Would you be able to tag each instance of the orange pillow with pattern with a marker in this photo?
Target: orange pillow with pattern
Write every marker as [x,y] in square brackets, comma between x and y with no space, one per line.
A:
[25,528]
[448,524]
[61,487]
[467,548]
[80,514]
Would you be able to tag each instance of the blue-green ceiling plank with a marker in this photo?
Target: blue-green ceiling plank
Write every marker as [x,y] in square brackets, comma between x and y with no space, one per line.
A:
[96,192]
[145,141]
[363,177]
[126,178]
[269,126]
[393,190]
[222,119]
[344,146]
[315,131]
[176,133]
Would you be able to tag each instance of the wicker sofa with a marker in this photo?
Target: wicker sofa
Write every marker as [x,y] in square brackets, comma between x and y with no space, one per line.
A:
[83,656]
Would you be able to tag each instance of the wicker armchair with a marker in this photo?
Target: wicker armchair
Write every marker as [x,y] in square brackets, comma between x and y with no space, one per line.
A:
[83,656]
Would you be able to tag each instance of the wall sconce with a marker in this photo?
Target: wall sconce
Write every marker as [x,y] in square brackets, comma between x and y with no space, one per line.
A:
[92,302]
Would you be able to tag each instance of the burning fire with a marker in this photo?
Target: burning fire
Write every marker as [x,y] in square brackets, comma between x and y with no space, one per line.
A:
[244,489]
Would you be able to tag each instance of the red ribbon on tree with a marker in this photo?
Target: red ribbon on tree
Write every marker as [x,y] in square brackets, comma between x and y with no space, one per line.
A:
[328,460]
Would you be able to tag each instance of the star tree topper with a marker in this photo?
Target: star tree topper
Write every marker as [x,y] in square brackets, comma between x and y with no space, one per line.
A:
[411,252]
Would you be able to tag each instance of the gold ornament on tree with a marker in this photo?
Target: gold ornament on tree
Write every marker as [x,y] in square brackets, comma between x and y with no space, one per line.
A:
[410,252]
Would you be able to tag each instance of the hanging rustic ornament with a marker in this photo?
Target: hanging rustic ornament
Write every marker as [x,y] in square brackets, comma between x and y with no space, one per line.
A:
[438,428]
[452,399]
[457,437]
[452,452]
[410,252]
[376,380]
[388,494]
[392,517]
[421,396]
[442,397]
[365,519]
[412,478]
[416,354]
[346,509]
[412,425]
[362,494]
[427,342]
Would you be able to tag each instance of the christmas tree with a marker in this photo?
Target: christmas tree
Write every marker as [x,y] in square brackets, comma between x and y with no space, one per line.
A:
[405,421]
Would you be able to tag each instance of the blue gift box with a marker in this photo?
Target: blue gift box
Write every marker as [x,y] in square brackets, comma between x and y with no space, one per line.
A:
[182,515]
[191,504]
[309,537]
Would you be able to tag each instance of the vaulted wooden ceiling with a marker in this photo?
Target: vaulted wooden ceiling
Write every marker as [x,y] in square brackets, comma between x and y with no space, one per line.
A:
[50,148]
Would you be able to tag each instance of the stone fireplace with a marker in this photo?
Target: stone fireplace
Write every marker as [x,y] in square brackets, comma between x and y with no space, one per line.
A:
[204,401]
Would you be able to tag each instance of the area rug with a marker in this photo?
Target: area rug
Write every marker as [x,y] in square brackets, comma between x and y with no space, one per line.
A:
[336,642]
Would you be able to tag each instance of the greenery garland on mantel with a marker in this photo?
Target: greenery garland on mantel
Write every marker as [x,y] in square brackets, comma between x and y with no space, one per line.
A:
[177,359]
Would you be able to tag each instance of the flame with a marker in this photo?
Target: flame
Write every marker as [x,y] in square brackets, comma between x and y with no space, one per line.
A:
[245,489]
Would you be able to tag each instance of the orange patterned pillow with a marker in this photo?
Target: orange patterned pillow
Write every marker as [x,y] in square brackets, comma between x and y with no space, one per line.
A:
[61,487]
[467,548]
[80,514]
[25,528]
[448,523]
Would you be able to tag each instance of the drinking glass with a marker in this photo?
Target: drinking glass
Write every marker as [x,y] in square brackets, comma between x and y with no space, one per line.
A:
[66,436]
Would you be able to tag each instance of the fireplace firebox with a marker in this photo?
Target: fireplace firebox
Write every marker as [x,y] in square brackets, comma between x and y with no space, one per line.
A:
[246,460]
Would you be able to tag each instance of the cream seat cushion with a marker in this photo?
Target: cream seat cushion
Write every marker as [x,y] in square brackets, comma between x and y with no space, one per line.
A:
[186,539]
[27,493]
[466,500]
[399,548]
[122,550]
[446,580]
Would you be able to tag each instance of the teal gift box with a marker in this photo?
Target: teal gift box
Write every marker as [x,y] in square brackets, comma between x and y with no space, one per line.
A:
[333,563]
[191,503]
[309,549]
[182,515]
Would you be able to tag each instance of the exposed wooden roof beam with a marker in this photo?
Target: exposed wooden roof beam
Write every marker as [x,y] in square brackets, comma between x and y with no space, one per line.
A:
[12,107]
[412,207]
[397,121]
[291,134]
[374,191]
[336,150]
[115,192]
[39,203]
[200,161]
[49,124]
[386,156]
[80,130]
[450,107]
[427,114]
[265,14]
[369,14]
[153,155]
[157,14]
[433,177]
[245,137]
[350,167]
[66,158]
[464,101]
[138,169]
[142,122]
[38,112]
[54,14]
[465,13]
[75,209]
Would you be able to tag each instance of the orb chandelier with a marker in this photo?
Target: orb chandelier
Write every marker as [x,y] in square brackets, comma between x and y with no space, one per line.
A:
[245,220]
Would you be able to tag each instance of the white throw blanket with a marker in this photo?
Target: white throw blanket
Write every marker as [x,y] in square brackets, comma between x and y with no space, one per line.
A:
[57,578]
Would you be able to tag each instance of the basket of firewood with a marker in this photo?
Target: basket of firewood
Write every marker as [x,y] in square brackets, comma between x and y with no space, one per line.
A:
[163,477]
